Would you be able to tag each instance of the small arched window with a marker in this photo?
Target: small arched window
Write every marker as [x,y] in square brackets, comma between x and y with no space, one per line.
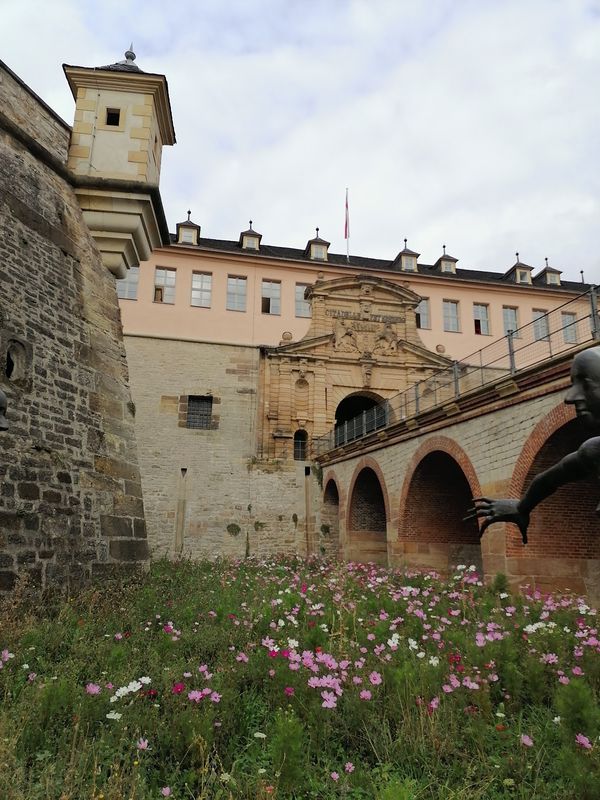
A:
[300,445]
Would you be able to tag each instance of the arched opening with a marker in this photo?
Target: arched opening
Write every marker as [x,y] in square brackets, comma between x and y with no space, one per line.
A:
[563,551]
[300,445]
[16,361]
[367,519]
[330,520]
[433,533]
[359,414]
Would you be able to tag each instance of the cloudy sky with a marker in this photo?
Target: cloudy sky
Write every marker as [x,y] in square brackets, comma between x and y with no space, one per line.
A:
[474,123]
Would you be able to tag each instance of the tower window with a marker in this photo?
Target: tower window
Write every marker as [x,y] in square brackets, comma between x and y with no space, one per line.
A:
[113,116]
[300,445]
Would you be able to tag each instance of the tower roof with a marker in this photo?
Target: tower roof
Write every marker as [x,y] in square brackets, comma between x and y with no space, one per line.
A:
[127,65]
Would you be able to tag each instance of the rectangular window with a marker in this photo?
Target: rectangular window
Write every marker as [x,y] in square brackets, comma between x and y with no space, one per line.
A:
[201,289]
[409,263]
[187,236]
[422,313]
[113,116]
[451,321]
[236,293]
[540,324]
[164,285]
[510,319]
[569,327]
[319,252]
[270,297]
[303,308]
[199,412]
[128,286]
[481,318]
[523,276]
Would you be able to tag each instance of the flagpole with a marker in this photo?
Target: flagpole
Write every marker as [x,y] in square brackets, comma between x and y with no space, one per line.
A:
[347,230]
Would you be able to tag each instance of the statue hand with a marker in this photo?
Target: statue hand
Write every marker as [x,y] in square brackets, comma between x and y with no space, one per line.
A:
[492,511]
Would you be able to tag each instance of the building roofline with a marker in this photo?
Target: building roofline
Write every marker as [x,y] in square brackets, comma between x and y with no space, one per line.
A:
[35,96]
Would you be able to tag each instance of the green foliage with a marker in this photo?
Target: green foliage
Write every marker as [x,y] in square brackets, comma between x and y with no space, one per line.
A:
[233,529]
[288,748]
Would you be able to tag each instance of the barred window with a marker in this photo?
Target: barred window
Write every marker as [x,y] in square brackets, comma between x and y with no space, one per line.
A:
[300,445]
[199,411]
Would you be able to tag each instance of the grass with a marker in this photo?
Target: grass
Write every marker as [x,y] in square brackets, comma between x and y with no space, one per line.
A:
[286,678]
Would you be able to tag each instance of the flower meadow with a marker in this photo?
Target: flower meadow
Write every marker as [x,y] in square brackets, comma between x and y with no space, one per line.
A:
[286,678]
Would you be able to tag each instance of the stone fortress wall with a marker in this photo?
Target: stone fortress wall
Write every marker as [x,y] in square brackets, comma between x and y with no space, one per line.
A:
[71,502]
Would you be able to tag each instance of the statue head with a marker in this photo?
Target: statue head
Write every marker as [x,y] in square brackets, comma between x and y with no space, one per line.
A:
[3,404]
[584,393]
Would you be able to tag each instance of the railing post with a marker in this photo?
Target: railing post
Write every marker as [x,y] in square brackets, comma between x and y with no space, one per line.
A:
[345,432]
[455,376]
[364,423]
[511,351]
[594,313]
[416,398]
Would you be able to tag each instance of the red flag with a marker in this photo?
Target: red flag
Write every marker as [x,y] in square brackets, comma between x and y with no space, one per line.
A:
[347,224]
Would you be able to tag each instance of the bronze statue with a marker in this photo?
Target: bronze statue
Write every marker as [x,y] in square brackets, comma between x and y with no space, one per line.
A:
[584,394]
[3,404]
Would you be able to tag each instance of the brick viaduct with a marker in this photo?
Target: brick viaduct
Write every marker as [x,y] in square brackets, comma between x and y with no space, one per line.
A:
[400,496]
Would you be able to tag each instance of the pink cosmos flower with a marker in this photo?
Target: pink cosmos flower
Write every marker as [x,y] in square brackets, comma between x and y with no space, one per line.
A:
[142,744]
[329,700]
[335,776]
[365,694]
[118,637]
[583,741]
[349,767]
[195,696]
[289,690]
[92,688]
[526,741]
[577,671]
[215,697]
[563,679]
[375,678]
[32,676]
[166,791]
[178,688]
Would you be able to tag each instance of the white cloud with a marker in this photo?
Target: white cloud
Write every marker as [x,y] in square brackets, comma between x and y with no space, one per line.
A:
[473,124]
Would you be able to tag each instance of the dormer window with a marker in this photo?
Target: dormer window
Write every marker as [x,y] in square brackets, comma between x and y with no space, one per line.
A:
[446,263]
[250,239]
[523,276]
[407,259]
[318,252]
[317,248]
[250,242]
[188,232]
[448,266]
[188,236]
[552,278]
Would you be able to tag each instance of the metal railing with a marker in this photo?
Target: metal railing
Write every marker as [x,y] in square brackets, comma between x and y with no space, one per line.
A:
[556,332]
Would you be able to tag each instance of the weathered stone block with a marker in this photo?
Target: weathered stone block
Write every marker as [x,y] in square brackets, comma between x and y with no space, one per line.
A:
[129,549]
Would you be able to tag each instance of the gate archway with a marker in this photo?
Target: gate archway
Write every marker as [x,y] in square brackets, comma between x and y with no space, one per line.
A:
[367,518]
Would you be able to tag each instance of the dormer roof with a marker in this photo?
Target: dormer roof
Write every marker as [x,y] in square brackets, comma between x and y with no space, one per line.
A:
[317,240]
[250,233]
[439,265]
[187,225]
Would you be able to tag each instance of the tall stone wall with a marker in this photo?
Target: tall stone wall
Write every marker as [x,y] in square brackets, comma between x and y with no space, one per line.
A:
[70,494]
[206,491]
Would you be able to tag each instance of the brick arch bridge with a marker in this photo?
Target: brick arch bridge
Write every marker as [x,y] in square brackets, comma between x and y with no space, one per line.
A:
[422,473]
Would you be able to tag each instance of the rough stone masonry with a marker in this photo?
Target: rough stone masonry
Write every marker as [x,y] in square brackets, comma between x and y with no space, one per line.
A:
[70,491]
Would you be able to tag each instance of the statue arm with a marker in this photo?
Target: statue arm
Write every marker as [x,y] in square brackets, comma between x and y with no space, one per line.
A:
[574,467]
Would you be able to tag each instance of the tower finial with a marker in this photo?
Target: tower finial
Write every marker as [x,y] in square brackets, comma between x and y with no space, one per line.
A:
[189,215]
[581,273]
[546,260]
[129,54]
[517,255]
[317,233]
[250,224]
[444,246]
[405,241]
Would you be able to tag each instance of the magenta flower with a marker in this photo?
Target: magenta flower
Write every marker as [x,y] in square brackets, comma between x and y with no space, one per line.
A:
[335,776]
[195,696]
[349,767]
[526,741]
[583,741]
[215,697]
[365,694]
[92,688]
[375,678]
[289,690]
[178,688]
[329,700]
